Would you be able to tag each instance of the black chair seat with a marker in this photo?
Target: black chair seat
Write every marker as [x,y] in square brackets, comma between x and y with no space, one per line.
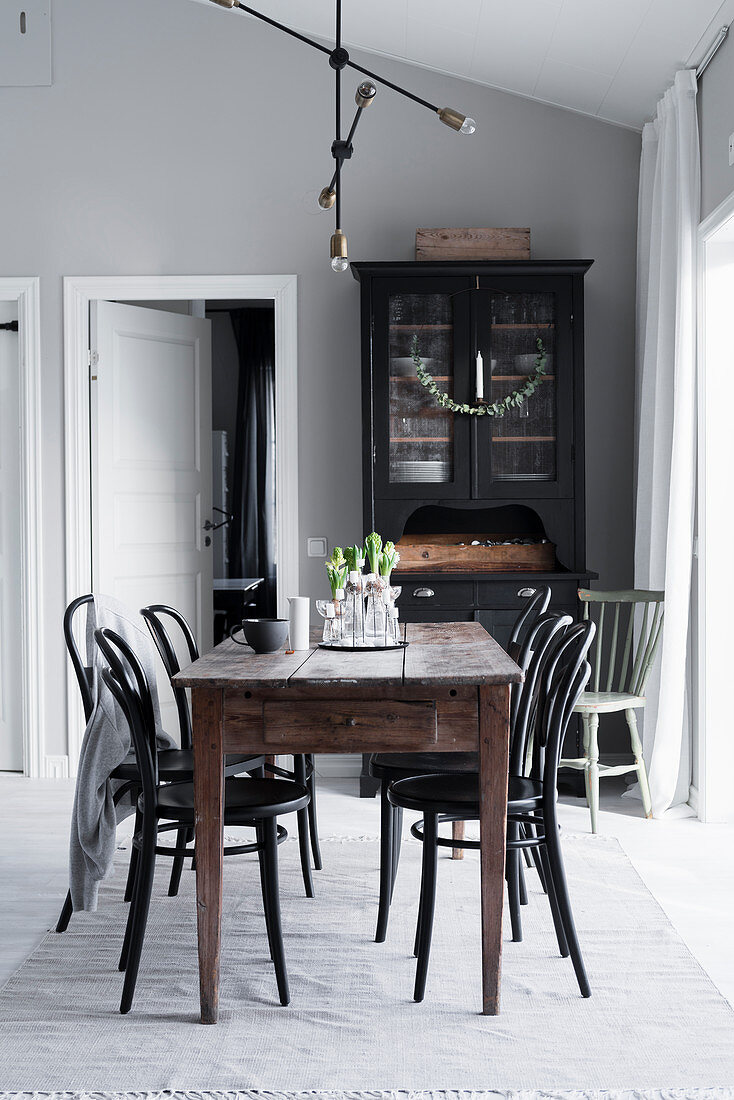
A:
[177,765]
[400,765]
[457,793]
[245,799]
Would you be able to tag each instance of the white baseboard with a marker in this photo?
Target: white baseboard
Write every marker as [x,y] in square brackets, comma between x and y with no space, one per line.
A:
[56,767]
[693,798]
[339,765]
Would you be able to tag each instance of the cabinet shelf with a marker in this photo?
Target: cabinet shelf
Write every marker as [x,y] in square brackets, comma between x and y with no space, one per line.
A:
[420,439]
[523,439]
[524,324]
[407,378]
[417,327]
[517,377]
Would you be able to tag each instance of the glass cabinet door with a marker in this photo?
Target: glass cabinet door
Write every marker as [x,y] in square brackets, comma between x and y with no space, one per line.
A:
[522,453]
[420,448]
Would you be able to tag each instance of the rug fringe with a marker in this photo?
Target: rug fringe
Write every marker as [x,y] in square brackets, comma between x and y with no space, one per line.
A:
[394,1094]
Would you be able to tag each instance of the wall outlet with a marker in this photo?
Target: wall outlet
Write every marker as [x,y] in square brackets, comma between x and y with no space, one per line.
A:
[56,767]
[317,547]
[731,149]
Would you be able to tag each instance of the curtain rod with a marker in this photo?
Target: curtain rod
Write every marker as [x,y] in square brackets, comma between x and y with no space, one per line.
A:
[711,51]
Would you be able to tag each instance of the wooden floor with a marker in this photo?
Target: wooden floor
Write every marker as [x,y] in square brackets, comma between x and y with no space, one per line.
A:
[686,865]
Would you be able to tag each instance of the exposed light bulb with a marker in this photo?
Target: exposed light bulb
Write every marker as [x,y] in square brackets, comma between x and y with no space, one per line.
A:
[338,251]
[327,198]
[456,120]
[365,93]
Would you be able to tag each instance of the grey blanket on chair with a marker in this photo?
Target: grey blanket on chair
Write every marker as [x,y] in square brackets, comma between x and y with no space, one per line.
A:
[106,743]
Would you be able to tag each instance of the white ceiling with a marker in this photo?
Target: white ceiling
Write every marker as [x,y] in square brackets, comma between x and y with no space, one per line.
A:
[612,59]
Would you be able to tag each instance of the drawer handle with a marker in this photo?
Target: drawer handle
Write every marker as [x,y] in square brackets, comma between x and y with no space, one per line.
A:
[424,593]
[526,592]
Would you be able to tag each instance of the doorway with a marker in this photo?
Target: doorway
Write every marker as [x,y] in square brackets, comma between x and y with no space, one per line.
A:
[21,696]
[173,395]
[713,755]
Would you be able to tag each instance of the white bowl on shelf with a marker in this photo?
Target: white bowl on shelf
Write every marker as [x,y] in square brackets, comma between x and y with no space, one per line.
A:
[403,366]
[525,364]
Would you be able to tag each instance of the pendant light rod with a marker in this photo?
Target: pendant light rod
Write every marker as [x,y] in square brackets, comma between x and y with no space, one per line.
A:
[347,141]
[273,23]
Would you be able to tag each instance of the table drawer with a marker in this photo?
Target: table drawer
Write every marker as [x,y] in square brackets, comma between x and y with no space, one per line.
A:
[320,726]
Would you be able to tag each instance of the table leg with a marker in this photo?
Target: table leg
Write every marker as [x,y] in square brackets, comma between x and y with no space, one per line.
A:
[209,832]
[494,743]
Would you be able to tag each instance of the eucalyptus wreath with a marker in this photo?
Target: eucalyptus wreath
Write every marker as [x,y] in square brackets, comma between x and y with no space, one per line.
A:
[496,408]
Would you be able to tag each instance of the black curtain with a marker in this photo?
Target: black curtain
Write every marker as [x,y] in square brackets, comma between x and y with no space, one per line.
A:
[252,533]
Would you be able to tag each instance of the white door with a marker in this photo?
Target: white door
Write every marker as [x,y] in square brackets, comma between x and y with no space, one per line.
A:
[11,729]
[152,464]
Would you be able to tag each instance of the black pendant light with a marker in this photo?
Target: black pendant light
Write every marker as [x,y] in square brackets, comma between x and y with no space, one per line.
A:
[342,149]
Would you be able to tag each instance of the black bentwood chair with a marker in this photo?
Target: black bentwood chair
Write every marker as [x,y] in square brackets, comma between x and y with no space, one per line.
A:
[174,765]
[531,801]
[160,619]
[253,803]
[388,767]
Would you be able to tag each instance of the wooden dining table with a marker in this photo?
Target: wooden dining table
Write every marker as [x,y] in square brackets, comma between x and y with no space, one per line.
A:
[448,690]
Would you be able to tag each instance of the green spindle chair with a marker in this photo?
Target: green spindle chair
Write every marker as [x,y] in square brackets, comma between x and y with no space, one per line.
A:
[617,684]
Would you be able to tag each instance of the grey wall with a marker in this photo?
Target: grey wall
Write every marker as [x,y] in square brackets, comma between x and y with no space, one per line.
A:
[180,139]
[716,120]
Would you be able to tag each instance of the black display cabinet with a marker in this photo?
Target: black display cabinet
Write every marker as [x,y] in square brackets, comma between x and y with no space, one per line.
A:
[428,471]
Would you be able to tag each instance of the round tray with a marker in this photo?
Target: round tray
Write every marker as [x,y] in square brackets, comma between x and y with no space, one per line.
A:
[362,648]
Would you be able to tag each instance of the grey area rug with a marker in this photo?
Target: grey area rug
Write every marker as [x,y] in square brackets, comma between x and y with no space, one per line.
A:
[654,1025]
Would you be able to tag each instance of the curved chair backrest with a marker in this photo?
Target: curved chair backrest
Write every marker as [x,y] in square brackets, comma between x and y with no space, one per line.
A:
[629,672]
[536,605]
[84,673]
[133,695]
[154,616]
[565,675]
[538,642]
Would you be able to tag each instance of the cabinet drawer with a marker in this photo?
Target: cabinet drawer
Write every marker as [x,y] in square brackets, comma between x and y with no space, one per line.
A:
[510,593]
[344,725]
[420,593]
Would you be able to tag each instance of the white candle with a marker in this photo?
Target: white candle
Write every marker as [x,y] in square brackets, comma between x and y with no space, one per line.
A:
[480,376]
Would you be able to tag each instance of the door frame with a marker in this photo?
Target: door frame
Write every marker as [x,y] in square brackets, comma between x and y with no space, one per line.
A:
[79,291]
[710,799]
[25,293]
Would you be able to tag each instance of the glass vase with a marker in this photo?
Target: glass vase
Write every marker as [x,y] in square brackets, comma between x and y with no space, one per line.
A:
[374,625]
[354,619]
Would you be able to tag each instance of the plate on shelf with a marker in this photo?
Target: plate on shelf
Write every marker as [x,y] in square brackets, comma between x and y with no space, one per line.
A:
[362,648]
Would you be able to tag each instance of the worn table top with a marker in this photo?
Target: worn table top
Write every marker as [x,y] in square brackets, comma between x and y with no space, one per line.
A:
[439,653]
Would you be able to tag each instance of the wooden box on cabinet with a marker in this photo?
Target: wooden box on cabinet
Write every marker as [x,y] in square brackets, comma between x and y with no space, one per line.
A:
[428,471]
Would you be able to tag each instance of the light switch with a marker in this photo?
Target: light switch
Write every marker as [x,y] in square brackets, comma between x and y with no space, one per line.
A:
[25,43]
[317,547]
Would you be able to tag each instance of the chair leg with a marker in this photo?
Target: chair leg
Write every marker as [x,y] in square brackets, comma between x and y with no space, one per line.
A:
[184,836]
[139,913]
[299,773]
[65,916]
[640,761]
[592,771]
[134,856]
[397,840]
[313,828]
[269,827]
[263,883]
[512,874]
[457,833]
[428,902]
[386,850]
[560,888]
[521,880]
[553,901]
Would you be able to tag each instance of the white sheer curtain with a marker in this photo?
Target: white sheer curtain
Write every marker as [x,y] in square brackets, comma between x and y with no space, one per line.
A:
[668,215]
